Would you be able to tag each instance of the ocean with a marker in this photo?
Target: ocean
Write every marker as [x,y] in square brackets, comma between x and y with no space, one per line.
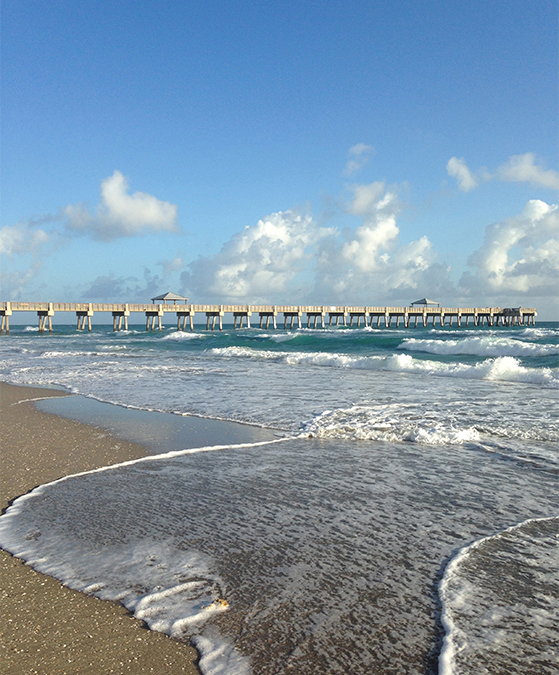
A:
[374,501]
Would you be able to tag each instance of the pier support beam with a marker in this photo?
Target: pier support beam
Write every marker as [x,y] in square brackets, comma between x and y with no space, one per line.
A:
[268,315]
[357,316]
[152,315]
[212,317]
[240,316]
[289,317]
[181,320]
[312,318]
[45,318]
[5,323]
[120,316]
[337,316]
[82,316]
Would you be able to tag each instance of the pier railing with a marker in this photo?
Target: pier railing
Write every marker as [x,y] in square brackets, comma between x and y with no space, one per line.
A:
[316,315]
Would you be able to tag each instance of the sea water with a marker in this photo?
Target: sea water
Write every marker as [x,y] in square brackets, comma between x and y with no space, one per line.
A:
[400,516]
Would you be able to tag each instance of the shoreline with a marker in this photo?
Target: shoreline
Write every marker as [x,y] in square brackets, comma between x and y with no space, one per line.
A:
[47,628]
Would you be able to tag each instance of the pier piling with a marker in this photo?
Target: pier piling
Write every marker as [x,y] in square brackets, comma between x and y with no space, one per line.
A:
[5,313]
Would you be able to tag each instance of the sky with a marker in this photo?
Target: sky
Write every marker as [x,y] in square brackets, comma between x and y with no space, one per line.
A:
[355,152]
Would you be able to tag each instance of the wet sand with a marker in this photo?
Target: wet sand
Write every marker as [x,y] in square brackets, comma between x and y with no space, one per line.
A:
[46,628]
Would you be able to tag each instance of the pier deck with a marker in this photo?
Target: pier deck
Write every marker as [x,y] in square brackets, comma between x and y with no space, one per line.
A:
[316,315]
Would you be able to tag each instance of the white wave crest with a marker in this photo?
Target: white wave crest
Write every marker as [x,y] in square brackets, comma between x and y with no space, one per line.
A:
[539,332]
[502,368]
[31,329]
[53,354]
[479,346]
[364,423]
[182,335]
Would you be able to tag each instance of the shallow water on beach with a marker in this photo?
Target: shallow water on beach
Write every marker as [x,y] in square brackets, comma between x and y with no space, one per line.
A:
[406,505]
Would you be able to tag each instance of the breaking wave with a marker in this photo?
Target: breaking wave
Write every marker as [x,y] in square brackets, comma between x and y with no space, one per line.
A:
[502,368]
[364,423]
[480,346]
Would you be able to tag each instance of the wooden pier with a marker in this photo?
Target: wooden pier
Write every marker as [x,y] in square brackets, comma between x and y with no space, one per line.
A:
[317,316]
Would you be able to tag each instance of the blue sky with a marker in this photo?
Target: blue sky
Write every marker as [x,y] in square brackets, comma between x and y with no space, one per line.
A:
[355,152]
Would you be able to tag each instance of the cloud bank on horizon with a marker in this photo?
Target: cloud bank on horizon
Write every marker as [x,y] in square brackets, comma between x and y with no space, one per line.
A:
[289,256]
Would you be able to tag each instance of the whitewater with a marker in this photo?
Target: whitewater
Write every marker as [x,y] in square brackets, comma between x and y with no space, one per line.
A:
[402,515]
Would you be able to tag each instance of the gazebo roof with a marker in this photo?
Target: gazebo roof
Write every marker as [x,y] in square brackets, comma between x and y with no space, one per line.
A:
[170,297]
[425,301]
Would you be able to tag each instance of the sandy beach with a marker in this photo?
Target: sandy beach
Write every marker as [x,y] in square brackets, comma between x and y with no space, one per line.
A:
[46,628]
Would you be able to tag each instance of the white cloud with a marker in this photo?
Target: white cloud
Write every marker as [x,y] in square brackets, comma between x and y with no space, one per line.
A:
[370,265]
[522,168]
[21,238]
[120,214]
[517,169]
[258,263]
[519,255]
[289,255]
[459,170]
[358,155]
[378,208]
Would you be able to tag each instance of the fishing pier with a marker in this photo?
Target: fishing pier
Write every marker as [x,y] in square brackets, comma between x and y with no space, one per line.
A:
[269,316]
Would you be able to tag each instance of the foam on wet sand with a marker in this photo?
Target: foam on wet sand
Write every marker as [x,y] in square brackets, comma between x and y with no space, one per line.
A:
[47,628]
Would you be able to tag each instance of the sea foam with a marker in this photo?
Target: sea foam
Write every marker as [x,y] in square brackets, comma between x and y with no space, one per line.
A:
[479,346]
[387,423]
[503,368]
[173,590]
[490,588]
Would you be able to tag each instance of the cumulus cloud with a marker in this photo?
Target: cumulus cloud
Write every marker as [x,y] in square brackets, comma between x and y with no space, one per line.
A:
[368,263]
[358,155]
[288,254]
[519,255]
[458,168]
[517,169]
[120,214]
[523,168]
[22,238]
[259,262]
